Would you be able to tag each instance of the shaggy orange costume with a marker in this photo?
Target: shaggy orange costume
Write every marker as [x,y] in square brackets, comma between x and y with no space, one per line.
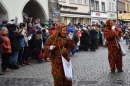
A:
[63,44]
[114,51]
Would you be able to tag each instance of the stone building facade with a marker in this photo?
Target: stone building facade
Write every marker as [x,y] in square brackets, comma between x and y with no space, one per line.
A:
[75,11]
[36,8]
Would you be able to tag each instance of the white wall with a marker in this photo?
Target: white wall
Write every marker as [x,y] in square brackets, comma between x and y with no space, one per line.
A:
[15,8]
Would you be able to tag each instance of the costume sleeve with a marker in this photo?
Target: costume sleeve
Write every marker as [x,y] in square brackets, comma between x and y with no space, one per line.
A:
[47,45]
[70,44]
[109,34]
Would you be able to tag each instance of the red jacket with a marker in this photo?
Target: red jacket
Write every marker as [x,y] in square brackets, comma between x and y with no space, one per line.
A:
[6,45]
[52,30]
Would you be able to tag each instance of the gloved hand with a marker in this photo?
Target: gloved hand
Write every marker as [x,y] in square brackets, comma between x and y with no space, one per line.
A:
[71,35]
[113,27]
[52,47]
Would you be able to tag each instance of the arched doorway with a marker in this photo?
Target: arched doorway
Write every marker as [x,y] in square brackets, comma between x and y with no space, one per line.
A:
[3,13]
[34,9]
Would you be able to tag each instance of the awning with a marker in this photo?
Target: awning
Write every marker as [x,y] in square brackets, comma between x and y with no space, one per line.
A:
[75,15]
[126,20]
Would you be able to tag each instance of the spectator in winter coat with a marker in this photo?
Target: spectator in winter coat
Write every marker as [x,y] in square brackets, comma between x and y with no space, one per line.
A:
[70,29]
[22,43]
[93,34]
[85,39]
[6,50]
[76,39]
[4,22]
[25,54]
[1,41]
[38,46]
[14,36]
[53,29]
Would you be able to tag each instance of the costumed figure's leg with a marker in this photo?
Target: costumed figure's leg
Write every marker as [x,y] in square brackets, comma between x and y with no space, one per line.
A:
[67,82]
[58,74]
[119,60]
[111,57]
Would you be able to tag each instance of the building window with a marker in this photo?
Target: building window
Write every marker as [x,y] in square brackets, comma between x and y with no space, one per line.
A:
[112,6]
[128,7]
[79,1]
[103,7]
[86,2]
[96,6]
[72,1]
[124,7]
[92,5]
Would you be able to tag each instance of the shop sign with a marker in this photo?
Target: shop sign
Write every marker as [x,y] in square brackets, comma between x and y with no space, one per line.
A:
[56,11]
[112,15]
[97,13]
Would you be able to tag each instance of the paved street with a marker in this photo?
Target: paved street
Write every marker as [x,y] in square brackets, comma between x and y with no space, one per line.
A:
[90,69]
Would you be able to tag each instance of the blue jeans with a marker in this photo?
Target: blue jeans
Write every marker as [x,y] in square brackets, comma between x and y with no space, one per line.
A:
[74,50]
[127,40]
[14,57]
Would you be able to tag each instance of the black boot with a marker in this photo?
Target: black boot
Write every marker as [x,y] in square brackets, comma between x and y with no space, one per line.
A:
[16,67]
[10,66]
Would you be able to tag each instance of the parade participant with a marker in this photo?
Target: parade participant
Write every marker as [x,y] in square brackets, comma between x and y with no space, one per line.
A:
[112,34]
[57,45]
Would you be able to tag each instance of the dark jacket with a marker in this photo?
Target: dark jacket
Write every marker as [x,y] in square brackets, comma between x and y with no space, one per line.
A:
[1,41]
[85,37]
[75,37]
[15,40]
[93,34]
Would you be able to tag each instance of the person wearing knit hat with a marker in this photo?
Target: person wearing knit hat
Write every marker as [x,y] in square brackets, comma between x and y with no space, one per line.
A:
[14,37]
[12,27]
[4,23]
[56,46]
[112,34]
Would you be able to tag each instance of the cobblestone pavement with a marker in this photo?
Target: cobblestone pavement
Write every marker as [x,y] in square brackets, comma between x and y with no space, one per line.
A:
[90,69]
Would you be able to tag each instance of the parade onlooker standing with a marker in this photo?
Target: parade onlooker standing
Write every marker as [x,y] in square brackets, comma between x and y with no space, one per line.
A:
[22,43]
[114,51]
[4,23]
[1,41]
[38,46]
[6,46]
[93,34]
[25,54]
[76,39]
[14,36]
[85,39]
[98,37]
[52,29]
[57,45]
